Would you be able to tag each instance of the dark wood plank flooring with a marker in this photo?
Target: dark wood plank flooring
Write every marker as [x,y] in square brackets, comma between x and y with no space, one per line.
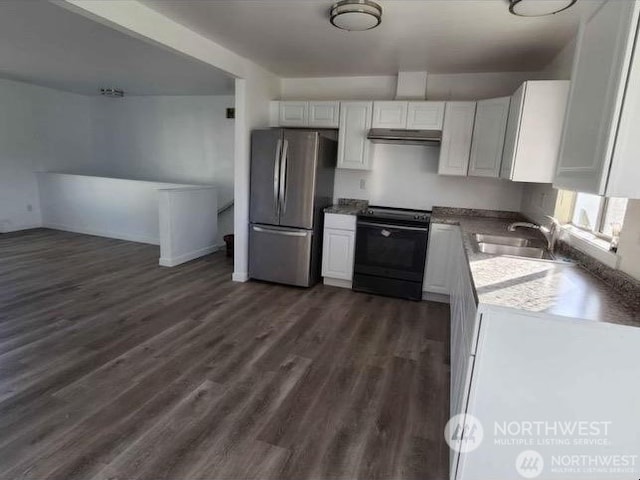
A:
[112,367]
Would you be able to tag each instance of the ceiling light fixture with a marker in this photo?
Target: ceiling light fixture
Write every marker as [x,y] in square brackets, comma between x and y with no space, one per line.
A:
[356,15]
[538,8]
[112,92]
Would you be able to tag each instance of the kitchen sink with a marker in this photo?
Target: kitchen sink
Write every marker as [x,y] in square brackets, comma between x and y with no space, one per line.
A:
[512,246]
[501,240]
[528,252]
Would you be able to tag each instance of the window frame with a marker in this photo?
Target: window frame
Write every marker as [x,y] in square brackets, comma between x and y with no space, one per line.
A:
[598,230]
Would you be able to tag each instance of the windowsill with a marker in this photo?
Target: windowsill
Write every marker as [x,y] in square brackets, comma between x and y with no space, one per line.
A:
[591,244]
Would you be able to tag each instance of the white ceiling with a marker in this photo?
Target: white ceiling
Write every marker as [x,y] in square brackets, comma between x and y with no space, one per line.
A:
[294,38]
[47,45]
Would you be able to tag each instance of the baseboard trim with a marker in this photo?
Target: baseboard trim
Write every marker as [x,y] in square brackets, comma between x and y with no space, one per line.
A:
[436,297]
[104,233]
[19,228]
[240,277]
[187,257]
[336,282]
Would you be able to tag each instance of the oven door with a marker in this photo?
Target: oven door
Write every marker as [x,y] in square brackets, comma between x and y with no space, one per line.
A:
[391,251]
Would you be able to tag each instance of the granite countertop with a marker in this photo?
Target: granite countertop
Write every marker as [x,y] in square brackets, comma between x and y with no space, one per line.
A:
[343,209]
[347,206]
[565,289]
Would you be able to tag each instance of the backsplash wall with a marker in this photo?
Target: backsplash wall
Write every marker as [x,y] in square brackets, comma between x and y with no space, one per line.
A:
[406,176]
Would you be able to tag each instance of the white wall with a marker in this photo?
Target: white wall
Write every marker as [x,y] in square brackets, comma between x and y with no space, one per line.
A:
[180,139]
[340,88]
[188,223]
[182,219]
[253,97]
[474,86]
[457,86]
[406,176]
[185,139]
[40,128]
[108,207]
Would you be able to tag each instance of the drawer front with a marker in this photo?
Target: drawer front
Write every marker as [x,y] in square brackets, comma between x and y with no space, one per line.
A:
[340,222]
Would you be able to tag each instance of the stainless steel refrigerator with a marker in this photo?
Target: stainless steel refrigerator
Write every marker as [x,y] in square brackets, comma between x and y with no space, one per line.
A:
[292,173]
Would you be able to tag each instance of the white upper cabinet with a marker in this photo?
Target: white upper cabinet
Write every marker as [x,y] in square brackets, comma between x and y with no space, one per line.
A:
[488,137]
[294,114]
[308,114]
[353,146]
[324,114]
[456,138]
[390,115]
[408,115]
[534,129]
[599,148]
[425,115]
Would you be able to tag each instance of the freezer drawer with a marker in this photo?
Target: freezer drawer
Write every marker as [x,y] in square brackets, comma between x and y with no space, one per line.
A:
[281,255]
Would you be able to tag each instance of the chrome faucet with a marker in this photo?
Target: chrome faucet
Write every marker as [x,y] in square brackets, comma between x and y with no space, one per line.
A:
[550,232]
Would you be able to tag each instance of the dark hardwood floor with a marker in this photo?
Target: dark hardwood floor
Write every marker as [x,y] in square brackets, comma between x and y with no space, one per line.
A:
[112,367]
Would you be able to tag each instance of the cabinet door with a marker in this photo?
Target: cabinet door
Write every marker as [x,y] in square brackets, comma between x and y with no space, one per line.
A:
[511,135]
[437,277]
[488,137]
[602,57]
[425,115]
[534,130]
[390,115]
[456,138]
[294,114]
[324,114]
[353,146]
[337,254]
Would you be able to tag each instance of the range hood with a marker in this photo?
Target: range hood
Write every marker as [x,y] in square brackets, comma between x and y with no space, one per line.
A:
[410,86]
[405,137]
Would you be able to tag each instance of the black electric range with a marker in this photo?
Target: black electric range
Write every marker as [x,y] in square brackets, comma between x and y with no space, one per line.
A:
[391,250]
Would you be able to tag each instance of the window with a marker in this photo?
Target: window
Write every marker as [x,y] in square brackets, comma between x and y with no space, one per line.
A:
[600,215]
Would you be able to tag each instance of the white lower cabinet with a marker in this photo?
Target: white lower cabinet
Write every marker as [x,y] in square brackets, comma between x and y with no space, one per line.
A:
[440,259]
[338,247]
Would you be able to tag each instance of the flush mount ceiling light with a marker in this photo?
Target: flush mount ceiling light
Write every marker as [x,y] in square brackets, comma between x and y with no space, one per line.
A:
[538,8]
[356,15]
[112,92]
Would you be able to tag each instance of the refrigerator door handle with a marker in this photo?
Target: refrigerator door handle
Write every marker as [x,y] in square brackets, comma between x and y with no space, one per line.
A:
[276,176]
[286,233]
[283,177]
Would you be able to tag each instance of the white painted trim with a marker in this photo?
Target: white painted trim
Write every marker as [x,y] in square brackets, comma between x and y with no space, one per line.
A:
[104,233]
[18,228]
[186,257]
[240,277]
[436,297]
[591,245]
[336,282]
